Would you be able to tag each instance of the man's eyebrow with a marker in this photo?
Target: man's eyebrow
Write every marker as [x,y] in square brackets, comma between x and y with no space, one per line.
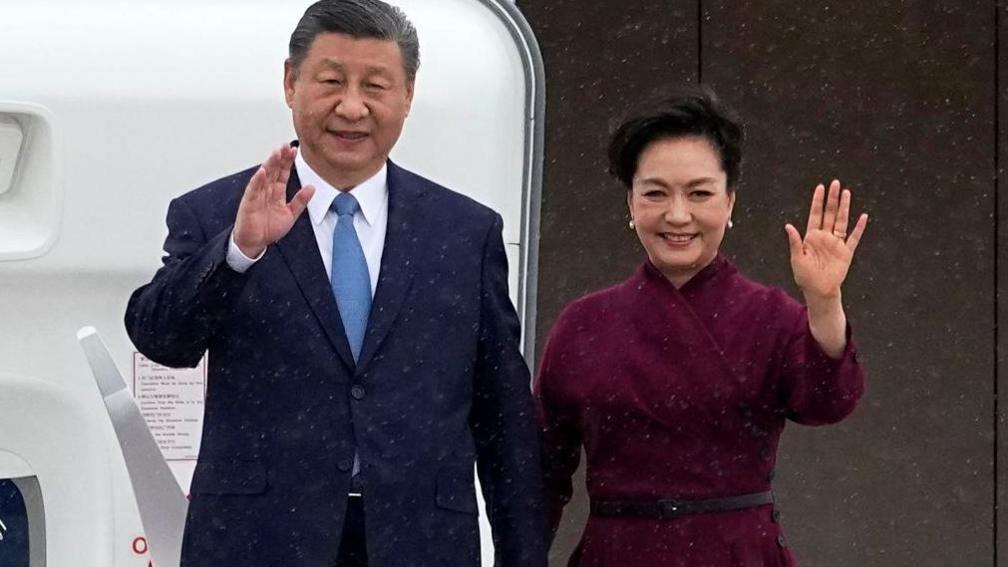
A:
[333,63]
[338,65]
[377,70]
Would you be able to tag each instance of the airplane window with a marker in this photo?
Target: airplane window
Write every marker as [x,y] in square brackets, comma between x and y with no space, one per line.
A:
[14,548]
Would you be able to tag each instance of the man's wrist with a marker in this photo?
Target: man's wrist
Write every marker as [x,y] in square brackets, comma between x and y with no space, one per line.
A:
[238,260]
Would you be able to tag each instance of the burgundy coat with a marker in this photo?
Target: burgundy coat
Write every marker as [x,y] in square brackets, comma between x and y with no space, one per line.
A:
[682,393]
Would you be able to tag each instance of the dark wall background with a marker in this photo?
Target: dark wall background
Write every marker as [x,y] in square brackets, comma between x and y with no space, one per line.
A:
[902,102]
[1001,260]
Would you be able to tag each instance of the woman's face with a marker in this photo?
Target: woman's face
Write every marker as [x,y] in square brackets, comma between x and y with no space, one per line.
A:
[680,205]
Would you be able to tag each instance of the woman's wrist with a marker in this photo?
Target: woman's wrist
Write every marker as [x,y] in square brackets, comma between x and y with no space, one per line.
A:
[827,322]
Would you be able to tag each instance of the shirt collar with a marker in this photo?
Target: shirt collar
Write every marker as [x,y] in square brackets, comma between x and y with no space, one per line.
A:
[371,194]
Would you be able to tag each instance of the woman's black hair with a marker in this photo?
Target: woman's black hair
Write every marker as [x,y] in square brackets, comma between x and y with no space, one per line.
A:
[692,111]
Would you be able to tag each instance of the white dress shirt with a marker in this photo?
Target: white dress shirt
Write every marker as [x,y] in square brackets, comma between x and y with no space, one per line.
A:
[370,221]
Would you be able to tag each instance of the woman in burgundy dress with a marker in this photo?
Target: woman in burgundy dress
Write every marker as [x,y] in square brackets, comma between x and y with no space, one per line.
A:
[678,381]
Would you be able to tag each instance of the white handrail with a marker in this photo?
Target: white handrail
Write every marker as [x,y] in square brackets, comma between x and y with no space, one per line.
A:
[161,502]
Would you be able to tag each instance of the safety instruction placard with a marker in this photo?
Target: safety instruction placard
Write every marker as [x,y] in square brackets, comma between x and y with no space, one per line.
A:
[171,401]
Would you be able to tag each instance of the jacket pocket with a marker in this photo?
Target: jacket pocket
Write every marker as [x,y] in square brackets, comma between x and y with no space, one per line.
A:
[455,490]
[229,477]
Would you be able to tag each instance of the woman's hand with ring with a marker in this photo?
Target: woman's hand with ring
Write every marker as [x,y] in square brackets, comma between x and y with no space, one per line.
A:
[821,259]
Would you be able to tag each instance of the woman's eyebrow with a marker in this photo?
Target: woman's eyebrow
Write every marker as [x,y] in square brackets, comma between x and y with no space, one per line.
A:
[700,181]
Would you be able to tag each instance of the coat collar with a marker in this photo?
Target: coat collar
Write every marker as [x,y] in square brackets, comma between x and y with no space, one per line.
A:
[371,194]
[718,265]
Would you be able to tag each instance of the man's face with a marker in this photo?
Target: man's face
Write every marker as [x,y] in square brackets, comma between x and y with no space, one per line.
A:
[349,98]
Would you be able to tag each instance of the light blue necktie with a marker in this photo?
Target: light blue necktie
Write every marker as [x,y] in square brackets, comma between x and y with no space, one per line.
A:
[351,283]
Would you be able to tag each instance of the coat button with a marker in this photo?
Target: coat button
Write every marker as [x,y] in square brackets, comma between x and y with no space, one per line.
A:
[775,517]
[345,465]
[764,454]
[780,541]
[357,391]
[770,475]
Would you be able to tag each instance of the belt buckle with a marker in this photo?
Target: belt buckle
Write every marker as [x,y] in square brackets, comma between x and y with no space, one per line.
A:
[669,509]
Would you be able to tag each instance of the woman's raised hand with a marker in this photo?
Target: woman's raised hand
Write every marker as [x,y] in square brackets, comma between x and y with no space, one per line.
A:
[264,215]
[821,259]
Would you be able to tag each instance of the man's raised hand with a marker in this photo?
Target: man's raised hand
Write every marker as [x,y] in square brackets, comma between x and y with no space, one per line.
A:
[264,215]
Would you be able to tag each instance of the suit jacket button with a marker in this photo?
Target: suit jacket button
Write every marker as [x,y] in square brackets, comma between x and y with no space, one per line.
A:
[357,391]
[345,465]
[780,541]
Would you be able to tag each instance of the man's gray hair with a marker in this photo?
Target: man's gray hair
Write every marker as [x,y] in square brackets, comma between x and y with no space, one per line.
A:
[361,19]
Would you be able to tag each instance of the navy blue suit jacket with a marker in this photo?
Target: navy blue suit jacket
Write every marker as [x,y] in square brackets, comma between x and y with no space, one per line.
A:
[440,384]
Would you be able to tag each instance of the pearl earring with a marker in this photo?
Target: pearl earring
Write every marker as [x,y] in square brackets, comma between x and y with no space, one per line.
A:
[730,223]
[632,225]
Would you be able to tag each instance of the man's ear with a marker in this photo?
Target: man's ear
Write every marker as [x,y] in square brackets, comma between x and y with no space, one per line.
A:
[290,78]
[409,96]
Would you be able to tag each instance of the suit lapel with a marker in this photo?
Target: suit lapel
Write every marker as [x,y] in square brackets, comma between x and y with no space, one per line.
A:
[299,250]
[399,258]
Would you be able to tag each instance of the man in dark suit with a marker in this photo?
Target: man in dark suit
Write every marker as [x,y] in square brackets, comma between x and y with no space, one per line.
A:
[363,355]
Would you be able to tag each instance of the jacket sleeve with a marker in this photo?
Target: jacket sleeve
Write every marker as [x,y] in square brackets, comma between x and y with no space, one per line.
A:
[502,421]
[559,433]
[817,389]
[172,319]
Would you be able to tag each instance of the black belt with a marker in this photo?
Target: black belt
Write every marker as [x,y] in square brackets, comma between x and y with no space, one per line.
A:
[667,509]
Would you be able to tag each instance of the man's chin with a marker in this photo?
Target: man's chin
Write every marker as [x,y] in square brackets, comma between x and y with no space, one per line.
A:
[348,168]
[343,160]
